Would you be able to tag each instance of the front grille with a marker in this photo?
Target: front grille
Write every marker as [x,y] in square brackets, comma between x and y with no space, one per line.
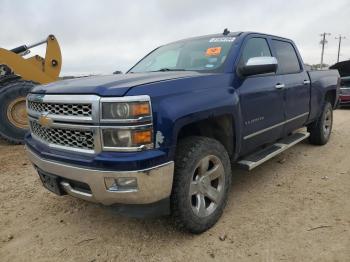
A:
[81,139]
[61,109]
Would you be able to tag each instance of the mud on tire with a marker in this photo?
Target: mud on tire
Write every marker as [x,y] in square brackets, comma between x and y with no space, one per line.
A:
[196,159]
[10,129]
[320,130]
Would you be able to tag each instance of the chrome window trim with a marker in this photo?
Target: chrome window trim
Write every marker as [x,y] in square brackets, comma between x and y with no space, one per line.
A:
[141,98]
[274,126]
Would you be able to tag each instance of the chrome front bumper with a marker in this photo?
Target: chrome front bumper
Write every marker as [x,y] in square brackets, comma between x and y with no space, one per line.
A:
[154,184]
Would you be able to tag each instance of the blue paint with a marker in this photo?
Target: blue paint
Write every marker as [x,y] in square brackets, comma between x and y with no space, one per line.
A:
[181,98]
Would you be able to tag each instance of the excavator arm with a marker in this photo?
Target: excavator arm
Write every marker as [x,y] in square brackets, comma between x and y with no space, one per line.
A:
[36,68]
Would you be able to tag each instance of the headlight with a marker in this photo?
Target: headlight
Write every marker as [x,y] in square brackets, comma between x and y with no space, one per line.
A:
[124,138]
[125,110]
[128,123]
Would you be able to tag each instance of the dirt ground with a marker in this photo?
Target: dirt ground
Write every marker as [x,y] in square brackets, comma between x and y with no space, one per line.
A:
[293,208]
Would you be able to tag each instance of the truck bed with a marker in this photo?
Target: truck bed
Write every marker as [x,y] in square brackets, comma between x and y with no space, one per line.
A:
[321,81]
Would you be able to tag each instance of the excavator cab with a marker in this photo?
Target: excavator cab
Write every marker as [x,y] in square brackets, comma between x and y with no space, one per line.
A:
[18,75]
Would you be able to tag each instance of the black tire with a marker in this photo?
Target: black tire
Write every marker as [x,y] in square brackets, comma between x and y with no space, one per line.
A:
[190,152]
[9,93]
[320,131]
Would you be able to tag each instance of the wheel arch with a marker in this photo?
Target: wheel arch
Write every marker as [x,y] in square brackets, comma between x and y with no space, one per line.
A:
[220,127]
[331,96]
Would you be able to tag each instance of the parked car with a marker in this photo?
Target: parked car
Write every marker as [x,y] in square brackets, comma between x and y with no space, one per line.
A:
[344,97]
[344,70]
[161,138]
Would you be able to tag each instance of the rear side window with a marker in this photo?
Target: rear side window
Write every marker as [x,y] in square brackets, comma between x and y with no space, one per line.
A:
[288,62]
[255,47]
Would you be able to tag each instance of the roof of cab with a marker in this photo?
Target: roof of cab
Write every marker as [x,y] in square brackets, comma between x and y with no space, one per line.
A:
[232,34]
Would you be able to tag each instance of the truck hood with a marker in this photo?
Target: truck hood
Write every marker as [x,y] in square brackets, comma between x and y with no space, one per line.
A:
[110,85]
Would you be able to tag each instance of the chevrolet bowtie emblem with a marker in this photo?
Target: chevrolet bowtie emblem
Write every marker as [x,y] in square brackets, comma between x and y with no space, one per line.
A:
[45,121]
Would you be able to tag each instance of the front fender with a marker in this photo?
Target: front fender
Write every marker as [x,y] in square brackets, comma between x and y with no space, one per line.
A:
[176,104]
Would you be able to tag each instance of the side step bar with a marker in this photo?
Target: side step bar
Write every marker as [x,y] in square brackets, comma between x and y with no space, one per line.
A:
[261,156]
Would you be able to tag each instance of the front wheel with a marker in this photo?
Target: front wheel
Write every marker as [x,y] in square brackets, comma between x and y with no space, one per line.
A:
[320,130]
[201,183]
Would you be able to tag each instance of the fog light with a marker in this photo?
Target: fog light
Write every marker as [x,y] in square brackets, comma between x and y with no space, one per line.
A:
[121,183]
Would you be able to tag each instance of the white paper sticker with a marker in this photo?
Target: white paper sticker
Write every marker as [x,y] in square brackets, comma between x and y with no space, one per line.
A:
[222,39]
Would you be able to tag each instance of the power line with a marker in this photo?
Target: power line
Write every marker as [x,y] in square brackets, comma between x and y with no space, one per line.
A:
[323,42]
[340,38]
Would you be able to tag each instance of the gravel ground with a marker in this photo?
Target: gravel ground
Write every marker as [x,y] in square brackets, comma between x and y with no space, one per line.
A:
[293,208]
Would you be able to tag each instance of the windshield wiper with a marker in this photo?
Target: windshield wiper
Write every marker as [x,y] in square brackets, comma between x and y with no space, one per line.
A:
[168,70]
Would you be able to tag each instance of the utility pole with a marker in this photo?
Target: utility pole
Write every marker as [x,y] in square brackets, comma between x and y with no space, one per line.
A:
[323,42]
[340,38]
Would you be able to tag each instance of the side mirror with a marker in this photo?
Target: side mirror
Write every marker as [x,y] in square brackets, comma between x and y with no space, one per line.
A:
[259,65]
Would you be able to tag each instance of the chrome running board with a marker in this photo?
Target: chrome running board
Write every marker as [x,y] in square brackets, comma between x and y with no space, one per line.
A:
[261,156]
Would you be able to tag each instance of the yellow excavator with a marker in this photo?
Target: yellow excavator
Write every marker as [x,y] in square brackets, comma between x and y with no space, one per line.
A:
[18,75]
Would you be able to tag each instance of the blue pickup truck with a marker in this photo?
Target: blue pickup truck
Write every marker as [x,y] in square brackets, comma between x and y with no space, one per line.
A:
[161,139]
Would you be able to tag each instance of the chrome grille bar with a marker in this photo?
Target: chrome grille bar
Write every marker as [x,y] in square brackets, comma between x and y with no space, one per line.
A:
[65,108]
[75,138]
[61,109]
[68,137]
[72,122]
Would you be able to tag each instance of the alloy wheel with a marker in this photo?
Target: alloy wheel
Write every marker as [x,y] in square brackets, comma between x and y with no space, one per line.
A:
[207,186]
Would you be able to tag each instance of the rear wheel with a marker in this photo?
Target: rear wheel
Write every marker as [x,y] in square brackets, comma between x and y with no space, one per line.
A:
[320,130]
[13,115]
[201,183]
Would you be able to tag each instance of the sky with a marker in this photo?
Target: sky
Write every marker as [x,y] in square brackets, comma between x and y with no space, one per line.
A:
[100,37]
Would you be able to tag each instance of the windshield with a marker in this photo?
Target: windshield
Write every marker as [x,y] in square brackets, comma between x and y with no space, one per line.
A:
[202,54]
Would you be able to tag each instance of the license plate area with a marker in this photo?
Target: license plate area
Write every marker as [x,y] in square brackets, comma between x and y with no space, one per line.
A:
[51,182]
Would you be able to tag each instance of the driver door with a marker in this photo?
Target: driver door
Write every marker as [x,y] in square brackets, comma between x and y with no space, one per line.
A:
[261,99]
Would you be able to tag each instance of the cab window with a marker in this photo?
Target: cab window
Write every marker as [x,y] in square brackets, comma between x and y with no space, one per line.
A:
[255,47]
[288,62]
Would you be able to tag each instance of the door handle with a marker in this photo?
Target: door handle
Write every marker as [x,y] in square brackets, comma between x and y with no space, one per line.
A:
[279,86]
[306,82]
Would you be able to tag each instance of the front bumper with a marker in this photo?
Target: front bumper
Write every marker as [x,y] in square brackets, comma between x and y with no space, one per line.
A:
[154,184]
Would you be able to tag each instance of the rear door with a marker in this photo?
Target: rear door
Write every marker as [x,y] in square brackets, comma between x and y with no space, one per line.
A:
[295,82]
[262,103]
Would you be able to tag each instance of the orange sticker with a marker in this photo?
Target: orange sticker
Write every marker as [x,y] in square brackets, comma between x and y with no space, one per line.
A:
[213,51]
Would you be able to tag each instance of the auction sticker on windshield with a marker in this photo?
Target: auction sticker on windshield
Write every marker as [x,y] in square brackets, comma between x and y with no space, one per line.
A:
[213,51]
